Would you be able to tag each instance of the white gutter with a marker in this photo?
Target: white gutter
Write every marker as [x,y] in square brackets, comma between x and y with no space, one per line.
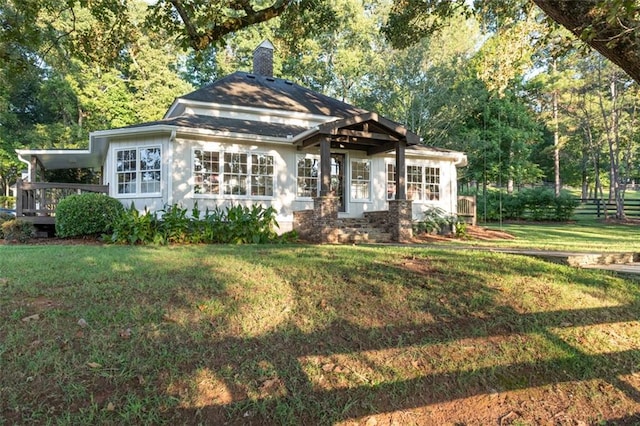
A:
[28,163]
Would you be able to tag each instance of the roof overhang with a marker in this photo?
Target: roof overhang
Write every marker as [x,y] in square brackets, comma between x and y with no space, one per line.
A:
[92,157]
[368,132]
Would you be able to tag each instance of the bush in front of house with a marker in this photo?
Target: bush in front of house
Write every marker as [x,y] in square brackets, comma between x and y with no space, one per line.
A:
[17,230]
[233,225]
[435,220]
[86,214]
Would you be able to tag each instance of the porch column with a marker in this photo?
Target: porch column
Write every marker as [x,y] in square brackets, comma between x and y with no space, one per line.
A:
[325,207]
[401,171]
[401,209]
[33,173]
[325,166]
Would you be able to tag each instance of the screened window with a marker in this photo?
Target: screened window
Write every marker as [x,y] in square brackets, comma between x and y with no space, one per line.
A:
[138,170]
[360,179]
[307,176]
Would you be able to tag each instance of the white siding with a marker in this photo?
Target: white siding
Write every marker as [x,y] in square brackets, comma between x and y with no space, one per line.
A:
[153,203]
[178,180]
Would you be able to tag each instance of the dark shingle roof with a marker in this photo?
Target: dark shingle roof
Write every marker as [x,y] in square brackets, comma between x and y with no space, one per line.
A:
[250,90]
[229,125]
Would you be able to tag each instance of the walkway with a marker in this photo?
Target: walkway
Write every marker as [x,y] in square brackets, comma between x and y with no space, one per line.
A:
[624,263]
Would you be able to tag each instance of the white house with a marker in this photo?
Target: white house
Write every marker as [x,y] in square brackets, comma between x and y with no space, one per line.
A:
[251,138]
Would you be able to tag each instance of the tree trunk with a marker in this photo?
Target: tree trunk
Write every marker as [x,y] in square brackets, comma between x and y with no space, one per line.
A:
[556,137]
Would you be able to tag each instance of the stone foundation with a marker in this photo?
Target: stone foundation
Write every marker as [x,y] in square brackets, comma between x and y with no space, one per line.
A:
[321,225]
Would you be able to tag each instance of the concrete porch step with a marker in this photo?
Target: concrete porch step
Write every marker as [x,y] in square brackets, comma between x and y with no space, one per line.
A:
[362,235]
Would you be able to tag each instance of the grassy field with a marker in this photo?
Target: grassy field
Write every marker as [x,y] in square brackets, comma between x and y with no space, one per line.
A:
[299,334]
[585,236]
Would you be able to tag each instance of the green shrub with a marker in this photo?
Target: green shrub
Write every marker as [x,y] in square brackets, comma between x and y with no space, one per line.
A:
[175,226]
[538,204]
[132,227]
[5,217]
[86,214]
[435,220]
[17,230]
[236,225]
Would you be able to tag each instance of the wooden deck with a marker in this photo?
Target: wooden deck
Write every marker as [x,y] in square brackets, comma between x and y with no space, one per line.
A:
[36,202]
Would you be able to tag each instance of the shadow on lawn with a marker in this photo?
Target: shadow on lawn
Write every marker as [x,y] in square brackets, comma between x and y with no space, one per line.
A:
[298,398]
[310,404]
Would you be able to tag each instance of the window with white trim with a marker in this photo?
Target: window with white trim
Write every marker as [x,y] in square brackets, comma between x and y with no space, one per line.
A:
[414,183]
[360,179]
[233,173]
[432,183]
[391,181]
[234,178]
[206,172]
[261,175]
[423,182]
[139,170]
[307,176]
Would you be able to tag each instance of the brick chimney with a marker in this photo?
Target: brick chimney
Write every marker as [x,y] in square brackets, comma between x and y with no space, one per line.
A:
[263,59]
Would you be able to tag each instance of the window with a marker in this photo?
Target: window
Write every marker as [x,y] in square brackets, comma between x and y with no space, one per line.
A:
[232,173]
[423,183]
[414,183]
[235,175]
[391,181]
[307,177]
[360,179]
[138,170]
[432,183]
[206,172]
[261,175]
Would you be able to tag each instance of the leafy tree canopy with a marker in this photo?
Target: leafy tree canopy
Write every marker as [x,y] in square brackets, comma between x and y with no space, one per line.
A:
[608,26]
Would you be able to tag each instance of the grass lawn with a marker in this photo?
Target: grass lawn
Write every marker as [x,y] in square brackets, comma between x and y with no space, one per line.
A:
[301,334]
[581,236]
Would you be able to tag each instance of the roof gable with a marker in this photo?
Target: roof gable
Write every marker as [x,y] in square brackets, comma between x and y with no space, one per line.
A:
[251,90]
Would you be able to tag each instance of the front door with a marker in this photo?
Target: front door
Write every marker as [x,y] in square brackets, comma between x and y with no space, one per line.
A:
[337,179]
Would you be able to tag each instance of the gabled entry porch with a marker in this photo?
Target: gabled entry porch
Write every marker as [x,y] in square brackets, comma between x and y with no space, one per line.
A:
[368,133]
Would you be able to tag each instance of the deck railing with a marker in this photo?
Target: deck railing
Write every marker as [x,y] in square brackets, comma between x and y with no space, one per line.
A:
[467,209]
[37,201]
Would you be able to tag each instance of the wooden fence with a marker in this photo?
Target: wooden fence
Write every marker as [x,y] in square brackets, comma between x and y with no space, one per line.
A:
[598,208]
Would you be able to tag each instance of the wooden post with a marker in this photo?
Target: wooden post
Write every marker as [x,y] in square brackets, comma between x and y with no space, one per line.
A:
[401,171]
[325,166]
[19,198]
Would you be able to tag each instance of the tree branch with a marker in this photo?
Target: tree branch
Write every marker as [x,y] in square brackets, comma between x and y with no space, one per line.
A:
[585,19]
[200,40]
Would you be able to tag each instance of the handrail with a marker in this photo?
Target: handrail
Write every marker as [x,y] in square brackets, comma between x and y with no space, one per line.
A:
[42,198]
